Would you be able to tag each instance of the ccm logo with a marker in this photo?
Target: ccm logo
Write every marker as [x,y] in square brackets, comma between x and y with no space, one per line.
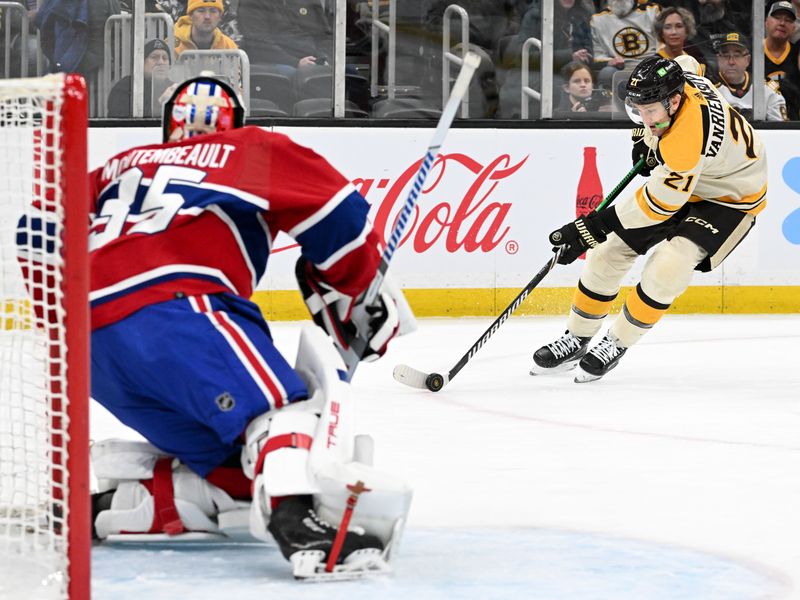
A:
[702,223]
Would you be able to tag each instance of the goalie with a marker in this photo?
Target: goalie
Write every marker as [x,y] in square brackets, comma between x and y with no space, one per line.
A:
[240,443]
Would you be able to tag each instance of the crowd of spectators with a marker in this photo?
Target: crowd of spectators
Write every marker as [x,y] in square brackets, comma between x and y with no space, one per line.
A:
[595,45]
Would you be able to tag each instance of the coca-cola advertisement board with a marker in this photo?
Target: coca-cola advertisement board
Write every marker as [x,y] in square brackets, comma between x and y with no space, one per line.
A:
[493,196]
[488,204]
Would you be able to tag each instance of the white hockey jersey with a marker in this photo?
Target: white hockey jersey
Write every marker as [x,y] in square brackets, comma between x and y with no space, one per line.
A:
[631,37]
[710,152]
[741,98]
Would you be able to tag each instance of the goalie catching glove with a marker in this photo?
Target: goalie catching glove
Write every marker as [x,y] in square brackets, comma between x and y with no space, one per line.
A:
[343,318]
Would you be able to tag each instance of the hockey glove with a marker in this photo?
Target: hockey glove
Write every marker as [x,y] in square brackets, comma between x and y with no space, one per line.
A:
[577,237]
[343,318]
[641,149]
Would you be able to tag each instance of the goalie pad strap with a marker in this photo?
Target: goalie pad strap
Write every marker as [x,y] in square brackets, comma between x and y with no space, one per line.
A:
[165,513]
[232,481]
[286,440]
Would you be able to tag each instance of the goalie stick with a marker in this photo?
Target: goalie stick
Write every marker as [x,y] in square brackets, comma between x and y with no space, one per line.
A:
[435,381]
[470,63]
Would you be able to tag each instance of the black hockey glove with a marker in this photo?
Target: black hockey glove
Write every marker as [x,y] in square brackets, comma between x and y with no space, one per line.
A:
[640,149]
[577,237]
[343,317]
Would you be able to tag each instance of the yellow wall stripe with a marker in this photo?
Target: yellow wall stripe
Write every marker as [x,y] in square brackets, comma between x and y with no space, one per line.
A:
[287,305]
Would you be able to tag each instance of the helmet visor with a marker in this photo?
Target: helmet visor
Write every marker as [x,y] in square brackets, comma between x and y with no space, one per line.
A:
[633,112]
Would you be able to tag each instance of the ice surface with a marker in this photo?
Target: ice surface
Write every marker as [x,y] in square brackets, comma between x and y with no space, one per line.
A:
[677,476]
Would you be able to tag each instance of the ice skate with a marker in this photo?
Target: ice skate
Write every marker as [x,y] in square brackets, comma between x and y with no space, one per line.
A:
[305,540]
[600,359]
[560,356]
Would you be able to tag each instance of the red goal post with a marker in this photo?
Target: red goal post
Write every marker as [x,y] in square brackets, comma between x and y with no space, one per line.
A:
[45,516]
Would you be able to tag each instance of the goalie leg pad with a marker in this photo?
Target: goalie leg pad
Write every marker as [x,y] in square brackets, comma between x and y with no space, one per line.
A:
[334,462]
[278,455]
[275,456]
[155,494]
[382,511]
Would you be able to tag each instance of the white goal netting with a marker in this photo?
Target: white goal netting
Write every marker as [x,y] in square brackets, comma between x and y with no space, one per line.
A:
[33,391]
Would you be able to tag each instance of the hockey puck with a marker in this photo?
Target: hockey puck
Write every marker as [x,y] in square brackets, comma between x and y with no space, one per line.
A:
[434,382]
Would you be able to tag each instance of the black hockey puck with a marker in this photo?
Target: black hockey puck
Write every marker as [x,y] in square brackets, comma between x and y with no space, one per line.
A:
[434,382]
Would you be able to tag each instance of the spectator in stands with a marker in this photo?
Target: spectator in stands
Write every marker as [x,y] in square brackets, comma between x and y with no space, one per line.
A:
[157,59]
[572,41]
[199,29]
[714,22]
[72,35]
[738,11]
[296,33]
[622,35]
[572,38]
[674,27]
[177,8]
[781,56]
[733,58]
[579,93]
[11,28]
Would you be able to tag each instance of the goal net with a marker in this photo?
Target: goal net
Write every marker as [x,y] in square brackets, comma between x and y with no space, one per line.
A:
[44,495]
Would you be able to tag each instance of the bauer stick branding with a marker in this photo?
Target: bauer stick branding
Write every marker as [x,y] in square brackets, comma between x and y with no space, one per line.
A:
[435,381]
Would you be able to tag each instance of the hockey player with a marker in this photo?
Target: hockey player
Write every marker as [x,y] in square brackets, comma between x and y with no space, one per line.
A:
[181,233]
[707,181]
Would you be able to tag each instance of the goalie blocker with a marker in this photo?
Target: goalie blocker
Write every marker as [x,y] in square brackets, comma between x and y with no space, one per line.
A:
[344,318]
[292,485]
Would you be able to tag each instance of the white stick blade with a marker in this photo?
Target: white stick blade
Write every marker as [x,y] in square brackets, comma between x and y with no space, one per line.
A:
[410,376]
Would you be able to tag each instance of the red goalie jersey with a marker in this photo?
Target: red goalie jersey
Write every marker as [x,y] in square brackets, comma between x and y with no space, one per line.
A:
[200,216]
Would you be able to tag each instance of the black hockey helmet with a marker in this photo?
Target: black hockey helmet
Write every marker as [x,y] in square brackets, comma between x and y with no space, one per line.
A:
[200,105]
[655,79]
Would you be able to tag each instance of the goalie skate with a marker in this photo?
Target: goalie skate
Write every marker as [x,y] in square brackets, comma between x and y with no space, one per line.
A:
[309,565]
[306,540]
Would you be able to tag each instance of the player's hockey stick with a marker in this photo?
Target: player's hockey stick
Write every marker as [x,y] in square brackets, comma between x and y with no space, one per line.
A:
[471,61]
[436,381]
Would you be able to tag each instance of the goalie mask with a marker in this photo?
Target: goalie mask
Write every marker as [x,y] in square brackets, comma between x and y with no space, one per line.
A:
[199,106]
